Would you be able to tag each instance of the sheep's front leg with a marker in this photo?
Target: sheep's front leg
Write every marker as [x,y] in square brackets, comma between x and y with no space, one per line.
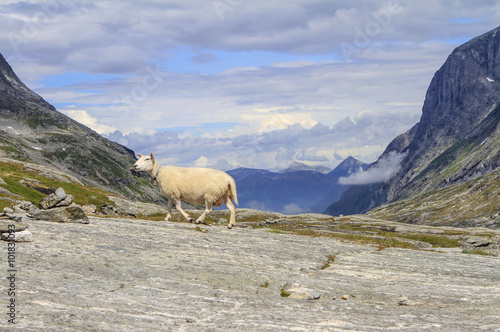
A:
[208,209]
[169,209]
[179,208]
[232,210]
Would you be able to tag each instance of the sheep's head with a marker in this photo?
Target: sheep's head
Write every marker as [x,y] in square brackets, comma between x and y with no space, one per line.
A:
[145,163]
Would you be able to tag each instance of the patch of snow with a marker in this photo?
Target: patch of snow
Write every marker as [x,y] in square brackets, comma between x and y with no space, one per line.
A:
[490,79]
[34,147]
[484,141]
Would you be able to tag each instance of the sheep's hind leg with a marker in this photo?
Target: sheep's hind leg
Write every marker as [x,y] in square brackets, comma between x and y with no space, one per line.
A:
[179,208]
[208,209]
[169,209]
[232,210]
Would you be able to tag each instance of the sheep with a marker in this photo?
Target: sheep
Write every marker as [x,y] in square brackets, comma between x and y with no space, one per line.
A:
[195,185]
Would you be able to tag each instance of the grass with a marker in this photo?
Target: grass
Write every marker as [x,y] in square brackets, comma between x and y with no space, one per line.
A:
[284,293]
[12,173]
[476,252]
[330,260]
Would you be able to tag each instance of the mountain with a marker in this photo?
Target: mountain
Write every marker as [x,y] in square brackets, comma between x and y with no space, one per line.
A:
[456,140]
[293,190]
[32,130]
[296,166]
[344,169]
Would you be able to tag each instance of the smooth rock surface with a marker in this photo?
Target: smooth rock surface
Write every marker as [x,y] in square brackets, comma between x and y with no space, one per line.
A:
[134,275]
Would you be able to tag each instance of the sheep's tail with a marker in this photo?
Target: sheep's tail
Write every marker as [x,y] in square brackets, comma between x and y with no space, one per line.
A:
[232,188]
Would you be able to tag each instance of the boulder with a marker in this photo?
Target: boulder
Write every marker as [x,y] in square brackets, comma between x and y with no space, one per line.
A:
[72,213]
[108,209]
[25,207]
[7,210]
[22,236]
[60,193]
[56,199]
[49,201]
[7,224]
[66,201]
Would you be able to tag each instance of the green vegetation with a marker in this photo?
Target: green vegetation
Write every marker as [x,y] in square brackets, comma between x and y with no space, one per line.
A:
[12,173]
[330,260]
[284,293]
[476,252]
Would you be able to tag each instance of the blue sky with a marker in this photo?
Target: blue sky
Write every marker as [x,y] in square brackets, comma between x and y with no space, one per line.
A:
[239,83]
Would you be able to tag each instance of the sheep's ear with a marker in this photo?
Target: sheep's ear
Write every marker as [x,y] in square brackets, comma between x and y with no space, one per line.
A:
[138,155]
[152,157]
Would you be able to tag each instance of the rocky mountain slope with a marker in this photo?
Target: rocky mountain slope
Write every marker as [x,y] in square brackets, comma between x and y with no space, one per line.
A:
[294,190]
[33,130]
[457,139]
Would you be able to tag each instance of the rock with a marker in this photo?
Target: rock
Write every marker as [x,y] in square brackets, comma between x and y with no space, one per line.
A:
[478,241]
[300,292]
[345,297]
[127,207]
[122,206]
[25,207]
[2,182]
[22,236]
[72,213]
[7,224]
[108,209]
[60,193]
[49,201]
[17,217]
[67,201]
[157,276]
[403,301]
[7,210]
[89,208]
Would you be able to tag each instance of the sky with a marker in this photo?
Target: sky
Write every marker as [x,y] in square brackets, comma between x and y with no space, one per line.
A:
[240,83]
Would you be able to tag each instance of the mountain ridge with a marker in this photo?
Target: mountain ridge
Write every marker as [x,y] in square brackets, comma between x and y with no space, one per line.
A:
[294,190]
[456,138]
[31,129]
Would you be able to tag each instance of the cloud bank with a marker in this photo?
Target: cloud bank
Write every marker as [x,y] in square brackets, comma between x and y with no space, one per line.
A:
[381,171]
[231,83]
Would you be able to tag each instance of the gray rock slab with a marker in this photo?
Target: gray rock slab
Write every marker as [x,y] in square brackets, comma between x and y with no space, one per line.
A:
[71,213]
[22,236]
[134,275]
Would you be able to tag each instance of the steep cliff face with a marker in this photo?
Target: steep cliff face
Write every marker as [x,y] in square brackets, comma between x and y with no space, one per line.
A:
[457,137]
[33,130]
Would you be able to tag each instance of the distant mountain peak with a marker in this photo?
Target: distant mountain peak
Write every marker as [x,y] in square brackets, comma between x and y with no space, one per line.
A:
[298,166]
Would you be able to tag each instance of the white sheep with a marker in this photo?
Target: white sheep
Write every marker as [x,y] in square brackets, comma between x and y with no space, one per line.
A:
[195,185]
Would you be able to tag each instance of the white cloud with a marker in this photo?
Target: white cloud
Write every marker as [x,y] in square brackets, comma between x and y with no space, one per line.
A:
[383,170]
[280,83]
[201,162]
[292,209]
[84,118]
